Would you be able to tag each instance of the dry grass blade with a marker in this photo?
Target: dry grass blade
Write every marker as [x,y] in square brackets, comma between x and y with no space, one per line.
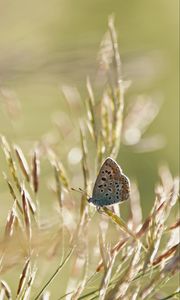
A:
[165,177]
[166,197]
[165,255]
[118,93]
[106,124]
[31,204]
[147,223]
[27,290]
[119,222]
[85,170]
[35,172]
[103,250]
[154,284]
[13,223]
[173,265]
[108,117]
[58,185]
[107,276]
[22,162]
[154,237]
[100,150]
[174,193]
[116,133]
[117,248]
[105,54]
[169,188]
[123,226]
[12,193]
[10,223]
[116,57]
[11,162]
[135,205]
[27,218]
[60,173]
[90,111]
[144,227]
[123,283]
[149,288]
[6,289]
[24,276]
[175,225]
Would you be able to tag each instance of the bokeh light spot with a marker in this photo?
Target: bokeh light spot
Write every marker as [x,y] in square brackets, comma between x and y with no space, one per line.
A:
[74,155]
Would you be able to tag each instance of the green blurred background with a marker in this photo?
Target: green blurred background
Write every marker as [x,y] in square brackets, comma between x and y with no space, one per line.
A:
[48,45]
[45,45]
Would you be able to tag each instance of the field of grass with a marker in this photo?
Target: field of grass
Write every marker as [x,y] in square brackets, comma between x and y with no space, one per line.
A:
[61,115]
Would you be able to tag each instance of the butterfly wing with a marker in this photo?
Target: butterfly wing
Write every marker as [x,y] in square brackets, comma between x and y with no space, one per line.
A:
[111,185]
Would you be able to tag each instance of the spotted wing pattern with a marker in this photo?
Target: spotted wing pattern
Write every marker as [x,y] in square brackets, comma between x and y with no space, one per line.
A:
[111,185]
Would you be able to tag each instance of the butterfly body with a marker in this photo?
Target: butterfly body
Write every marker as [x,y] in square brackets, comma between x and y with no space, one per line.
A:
[111,185]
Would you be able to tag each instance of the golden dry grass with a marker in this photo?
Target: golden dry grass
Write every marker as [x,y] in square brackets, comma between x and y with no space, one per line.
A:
[143,254]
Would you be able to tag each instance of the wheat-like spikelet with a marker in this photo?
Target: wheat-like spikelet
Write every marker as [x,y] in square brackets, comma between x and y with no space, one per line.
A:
[22,162]
[5,290]
[35,172]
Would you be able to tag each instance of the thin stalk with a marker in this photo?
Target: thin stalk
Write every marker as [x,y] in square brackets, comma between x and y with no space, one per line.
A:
[54,274]
[170,296]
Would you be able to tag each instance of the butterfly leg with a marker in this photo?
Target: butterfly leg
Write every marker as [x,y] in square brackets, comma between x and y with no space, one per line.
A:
[112,209]
[99,210]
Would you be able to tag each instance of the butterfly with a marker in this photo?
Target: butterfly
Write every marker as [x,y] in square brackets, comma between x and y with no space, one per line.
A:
[111,185]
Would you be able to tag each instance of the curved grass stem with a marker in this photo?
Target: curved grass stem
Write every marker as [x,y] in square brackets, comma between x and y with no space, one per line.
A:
[54,274]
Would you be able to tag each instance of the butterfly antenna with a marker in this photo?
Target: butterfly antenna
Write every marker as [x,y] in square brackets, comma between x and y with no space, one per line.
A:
[79,190]
[82,191]
[76,190]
